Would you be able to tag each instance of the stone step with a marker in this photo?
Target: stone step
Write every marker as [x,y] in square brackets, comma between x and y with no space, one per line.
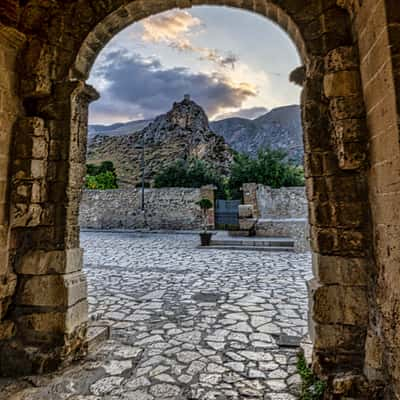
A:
[270,242]
[248,248]
[96,335]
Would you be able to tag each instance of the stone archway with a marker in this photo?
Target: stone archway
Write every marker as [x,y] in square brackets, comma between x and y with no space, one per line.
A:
[43,291]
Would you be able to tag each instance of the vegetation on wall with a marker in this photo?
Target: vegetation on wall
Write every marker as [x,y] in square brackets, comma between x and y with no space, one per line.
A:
[312,388]
[101,177]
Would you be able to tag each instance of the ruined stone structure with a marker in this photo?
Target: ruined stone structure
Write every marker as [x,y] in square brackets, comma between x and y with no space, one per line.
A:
[350,107]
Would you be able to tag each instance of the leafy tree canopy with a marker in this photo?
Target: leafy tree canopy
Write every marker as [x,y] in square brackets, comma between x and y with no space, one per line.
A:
[192,173]
[270,168]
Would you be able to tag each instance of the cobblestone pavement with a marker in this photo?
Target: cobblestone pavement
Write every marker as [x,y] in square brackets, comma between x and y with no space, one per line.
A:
[187,323]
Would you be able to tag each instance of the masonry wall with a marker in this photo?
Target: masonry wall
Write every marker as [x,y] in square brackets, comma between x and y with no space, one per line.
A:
[378,26]
[167,208]
[282,203]
[354,298]
[10,42]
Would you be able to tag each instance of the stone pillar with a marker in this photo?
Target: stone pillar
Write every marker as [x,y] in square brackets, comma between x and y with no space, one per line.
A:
[249,191]
[208,192]
[51,310]
[11,42]
[337,191]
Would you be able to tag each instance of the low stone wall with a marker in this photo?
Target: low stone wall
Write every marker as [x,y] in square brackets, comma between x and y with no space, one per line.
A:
[280,212]
[290,202]
[282,203]
[167,208]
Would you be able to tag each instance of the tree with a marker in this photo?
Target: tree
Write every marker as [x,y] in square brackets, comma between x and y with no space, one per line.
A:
[270,168]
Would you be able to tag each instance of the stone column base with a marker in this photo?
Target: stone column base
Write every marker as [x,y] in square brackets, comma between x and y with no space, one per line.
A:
[18,359]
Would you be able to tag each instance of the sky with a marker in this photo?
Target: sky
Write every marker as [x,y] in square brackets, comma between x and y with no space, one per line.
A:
[232,62]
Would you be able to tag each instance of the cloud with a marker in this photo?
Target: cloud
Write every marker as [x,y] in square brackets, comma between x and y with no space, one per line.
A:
[249,113]
[136,88]
[169,26]
[175,29]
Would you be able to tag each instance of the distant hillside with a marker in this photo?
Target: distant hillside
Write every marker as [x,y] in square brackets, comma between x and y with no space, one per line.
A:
[182,133]
[279,129]
[118,129]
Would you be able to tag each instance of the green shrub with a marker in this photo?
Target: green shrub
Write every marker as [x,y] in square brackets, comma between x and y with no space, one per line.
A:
[312,388]
[101,177]
[205,205]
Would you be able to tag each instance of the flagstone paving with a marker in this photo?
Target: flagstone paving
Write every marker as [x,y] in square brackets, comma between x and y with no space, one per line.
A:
[187,323]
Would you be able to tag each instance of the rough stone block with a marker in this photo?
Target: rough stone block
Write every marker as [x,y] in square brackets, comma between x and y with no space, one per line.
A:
[336,337]
[336,304]
[342,59]
[7,330]
[30,215]
[342,84]
[246,211]
[347,107]
[4,262]
[8,283]
[351,130]
[41,262]
[351,156]
[52,290]
[31,126]
[374,350]
[54,322]
[4,305]
[29,169]
[344,271]
[4,232]
[247,223]
[34,147]
[346,384]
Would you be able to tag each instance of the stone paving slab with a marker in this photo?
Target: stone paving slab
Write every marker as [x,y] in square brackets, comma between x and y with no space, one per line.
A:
[186,323]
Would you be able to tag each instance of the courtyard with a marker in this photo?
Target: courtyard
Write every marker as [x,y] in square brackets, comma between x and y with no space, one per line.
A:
[186,323]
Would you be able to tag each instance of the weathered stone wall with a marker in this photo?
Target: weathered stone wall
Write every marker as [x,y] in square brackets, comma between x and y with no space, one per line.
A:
[281,212]
[378,25]
[348,117]
[282,203]
[167,208]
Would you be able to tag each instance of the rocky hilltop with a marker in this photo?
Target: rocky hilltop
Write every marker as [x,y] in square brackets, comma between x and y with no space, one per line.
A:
[181,133]
[278,129]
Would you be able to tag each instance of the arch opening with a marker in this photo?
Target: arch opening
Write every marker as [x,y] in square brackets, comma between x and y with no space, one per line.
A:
[45,228]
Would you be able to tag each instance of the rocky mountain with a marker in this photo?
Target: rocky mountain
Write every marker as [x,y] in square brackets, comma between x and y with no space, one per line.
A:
[182,133]
[278,129]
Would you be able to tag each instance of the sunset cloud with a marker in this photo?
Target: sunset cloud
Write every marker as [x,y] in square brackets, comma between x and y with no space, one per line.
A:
[135,87]
[176,29]
[168,27]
